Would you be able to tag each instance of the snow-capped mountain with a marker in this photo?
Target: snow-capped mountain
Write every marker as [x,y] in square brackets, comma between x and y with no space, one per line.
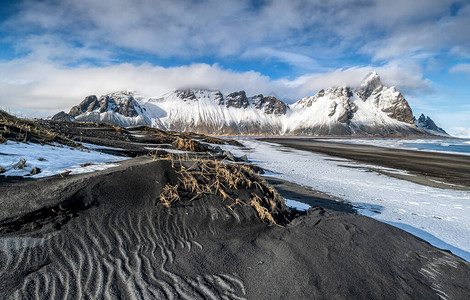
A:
[428,125]
[371,109]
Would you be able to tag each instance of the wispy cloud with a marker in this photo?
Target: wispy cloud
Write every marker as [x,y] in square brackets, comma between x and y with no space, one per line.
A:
[464,68]
[176,28]
[292,58]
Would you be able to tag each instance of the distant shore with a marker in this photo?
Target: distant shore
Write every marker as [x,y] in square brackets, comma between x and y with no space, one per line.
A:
[452,170]
[427,136]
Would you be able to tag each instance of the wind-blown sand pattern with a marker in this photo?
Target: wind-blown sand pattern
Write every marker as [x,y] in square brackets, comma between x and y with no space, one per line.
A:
[125,252]
[126,256]
[117,241]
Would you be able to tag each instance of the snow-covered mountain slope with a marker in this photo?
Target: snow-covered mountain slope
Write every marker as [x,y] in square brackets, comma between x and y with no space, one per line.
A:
[371,109]
[209,111]
[116,108]
[428,125]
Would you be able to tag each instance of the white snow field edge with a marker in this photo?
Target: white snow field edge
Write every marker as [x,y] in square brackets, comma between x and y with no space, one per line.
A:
[439,216]
[451,145]
[52,160]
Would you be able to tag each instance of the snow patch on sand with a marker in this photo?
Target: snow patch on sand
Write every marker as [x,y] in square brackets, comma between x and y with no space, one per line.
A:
[440,216]
[52,160]
[297,205]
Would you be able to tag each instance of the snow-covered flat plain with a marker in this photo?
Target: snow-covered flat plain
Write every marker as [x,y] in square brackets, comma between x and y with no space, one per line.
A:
[439,216]
[52,160]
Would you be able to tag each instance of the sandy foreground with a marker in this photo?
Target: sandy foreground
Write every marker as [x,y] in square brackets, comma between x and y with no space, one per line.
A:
[106,235]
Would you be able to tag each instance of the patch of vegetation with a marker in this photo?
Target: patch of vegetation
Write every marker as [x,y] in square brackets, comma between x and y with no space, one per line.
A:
[189,145]
[201,177]
[22,130]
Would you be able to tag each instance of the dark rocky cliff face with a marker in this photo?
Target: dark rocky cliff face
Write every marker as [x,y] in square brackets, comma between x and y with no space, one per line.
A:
[370,85]
[270,105]
[123,104]
[400,110]
[186,94]
[428,124]
[237,100]
[88,105]
[63,116]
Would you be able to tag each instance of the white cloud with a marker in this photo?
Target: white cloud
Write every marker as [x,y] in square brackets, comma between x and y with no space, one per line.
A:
[424,37]
[460,132]
[33,84]
[43,85]
[405,78]
[295,59]
[464,68]
[177,28]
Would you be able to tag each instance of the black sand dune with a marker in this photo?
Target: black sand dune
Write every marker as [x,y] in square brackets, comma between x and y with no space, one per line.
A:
[105,235]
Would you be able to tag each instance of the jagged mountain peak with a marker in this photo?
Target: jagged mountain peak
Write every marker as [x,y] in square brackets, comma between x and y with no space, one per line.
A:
[426,123]
[369,85]
[370,109]
[119,102]
[237,100]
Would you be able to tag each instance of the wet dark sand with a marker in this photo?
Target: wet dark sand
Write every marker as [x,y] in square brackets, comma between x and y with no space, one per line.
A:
[293,191]
[431,168]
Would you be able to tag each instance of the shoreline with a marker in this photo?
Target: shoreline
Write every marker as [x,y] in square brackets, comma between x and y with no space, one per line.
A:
[436,169]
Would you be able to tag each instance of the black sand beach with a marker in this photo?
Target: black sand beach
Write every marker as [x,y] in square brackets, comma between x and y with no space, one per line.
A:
[449,168]
[119,234]
[115,241]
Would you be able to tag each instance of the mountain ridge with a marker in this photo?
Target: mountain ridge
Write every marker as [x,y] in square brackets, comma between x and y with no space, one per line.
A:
[369,110]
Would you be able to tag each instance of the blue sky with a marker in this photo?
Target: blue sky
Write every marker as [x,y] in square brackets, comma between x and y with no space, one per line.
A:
[55,52]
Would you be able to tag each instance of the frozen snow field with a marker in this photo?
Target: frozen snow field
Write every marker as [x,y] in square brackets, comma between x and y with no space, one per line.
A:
[52,160]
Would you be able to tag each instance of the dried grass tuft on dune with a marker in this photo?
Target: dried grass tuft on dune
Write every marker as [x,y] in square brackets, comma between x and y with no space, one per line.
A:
[200,177]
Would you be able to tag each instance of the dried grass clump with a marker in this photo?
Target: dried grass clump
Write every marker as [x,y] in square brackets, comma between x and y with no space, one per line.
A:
[262,211]
[21,164]
[189,145]
[119,128]
[202,177]
[208,139]
[169,195]
[21,130]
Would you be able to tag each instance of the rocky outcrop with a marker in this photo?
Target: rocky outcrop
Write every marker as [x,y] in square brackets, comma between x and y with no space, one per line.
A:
[88,105]
[186,94]
[63,116]
[428,124]
[396,107]
[370,85]
[125,106]
[121,103]
[237,100]
[388,100]
[270,105]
